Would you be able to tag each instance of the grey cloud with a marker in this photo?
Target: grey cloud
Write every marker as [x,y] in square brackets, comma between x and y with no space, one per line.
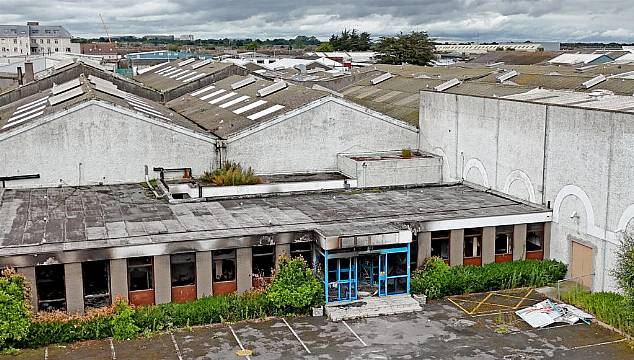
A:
[463,19]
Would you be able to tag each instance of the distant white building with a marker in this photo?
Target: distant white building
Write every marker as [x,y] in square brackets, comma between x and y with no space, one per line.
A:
[485,48]
[186,37]
[33,38]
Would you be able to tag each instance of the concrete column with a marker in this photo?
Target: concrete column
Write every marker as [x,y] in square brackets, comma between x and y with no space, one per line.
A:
[162,279]
[29,274]
[488,245]
[119,278]
[547,231]
[74,288]
[519,242]
[456,247]
[244,259]
[203,273]
[424,247]
[281,250]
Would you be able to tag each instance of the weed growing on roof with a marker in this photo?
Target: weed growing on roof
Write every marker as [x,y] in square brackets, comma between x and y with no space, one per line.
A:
[231,174]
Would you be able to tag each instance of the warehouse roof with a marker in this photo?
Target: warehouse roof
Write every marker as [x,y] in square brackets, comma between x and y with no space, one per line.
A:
[515,57]
[595,100]
[56,219]
[82,89]
[238,102]
[171,75]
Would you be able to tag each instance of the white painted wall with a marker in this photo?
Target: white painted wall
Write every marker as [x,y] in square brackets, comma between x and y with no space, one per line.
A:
[309,141]
[580,161]
[94,142]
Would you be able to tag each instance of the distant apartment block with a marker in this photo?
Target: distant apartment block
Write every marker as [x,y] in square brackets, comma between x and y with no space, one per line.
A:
[33,38]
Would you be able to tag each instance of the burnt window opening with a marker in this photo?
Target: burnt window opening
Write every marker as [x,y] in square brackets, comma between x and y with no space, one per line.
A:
[140,273]
[51,289]
[263,261]
[96,277]
[304,250]
[472,242]
[413,254]
[183,269]
[440,244]
[535,237]
[504,240]
[224,265]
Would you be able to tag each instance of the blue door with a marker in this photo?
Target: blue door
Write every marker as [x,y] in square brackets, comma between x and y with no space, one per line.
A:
[394,271]
[383,274]
[342,272]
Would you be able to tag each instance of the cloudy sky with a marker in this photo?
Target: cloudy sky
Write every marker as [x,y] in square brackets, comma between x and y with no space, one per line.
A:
[477,20]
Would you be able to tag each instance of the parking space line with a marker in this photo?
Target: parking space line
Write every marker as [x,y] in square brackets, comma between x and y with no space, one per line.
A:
[114,354]
[46,353]
[558,326]
[493,313]
[235,336]
[296,336]
[178,351]
[598,344]
[354,333]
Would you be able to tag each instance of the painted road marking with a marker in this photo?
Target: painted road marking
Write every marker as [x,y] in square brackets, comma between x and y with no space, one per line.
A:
[354,333]
[46,353]
[114,354]
[178,351]
[239,343]
[598,344]
[296,336]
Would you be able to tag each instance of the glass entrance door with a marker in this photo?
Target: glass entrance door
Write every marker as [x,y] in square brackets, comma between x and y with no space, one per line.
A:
[383,274]
[394,271]
[344,271]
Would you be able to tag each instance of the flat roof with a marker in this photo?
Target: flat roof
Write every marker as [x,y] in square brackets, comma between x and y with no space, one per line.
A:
[83,218]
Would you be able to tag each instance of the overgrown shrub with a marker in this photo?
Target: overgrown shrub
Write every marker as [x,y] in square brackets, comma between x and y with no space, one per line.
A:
[15,314]
[406,153]
[436,279]
[123,326]
[294,289]
[613,309]
[231,174]
[624,270]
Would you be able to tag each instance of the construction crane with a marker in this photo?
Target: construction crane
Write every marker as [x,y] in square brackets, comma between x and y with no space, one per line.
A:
[105,28]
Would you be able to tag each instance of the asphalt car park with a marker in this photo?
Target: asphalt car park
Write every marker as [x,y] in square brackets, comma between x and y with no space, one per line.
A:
[441,331]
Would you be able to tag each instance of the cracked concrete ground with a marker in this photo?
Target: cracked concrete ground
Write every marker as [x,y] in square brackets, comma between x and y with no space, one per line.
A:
[440,331]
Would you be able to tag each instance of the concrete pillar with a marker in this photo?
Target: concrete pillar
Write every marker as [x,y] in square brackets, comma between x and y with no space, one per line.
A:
[244,260]
[29,274]
[203,273]
[281,250]
[488,245]
[162,279]
[519,242]
[456,247]
[424,247]
[74,288]
[547,231]
[119,278]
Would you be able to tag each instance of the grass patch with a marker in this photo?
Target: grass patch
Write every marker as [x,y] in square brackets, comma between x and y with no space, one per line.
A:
[230,174]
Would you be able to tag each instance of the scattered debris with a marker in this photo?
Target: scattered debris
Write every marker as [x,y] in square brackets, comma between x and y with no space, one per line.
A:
[547,312]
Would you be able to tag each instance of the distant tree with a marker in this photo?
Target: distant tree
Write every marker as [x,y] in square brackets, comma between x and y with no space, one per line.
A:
[351,40]
[325,47]
[253,46]
[174,47]
[413,48]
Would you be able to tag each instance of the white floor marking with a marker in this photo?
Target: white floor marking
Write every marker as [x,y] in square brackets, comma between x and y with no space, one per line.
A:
[354,333]
[178,351]
[46,353]
[239,342]
[296,336]
[558,326]
[114,354]
[599,344]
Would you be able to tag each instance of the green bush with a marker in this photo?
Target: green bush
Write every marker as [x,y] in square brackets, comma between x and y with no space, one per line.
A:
[436,279]
[15,311]
[122,322]
[624,270]
[231,174]
[294,289]
[613,309]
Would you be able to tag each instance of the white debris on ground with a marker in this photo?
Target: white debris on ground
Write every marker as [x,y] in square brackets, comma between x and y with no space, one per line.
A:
[547,312]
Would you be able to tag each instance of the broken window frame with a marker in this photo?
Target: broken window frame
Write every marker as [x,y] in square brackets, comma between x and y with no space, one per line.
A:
[470,235]
[535,231]
[303,249]
[144,263]
[46,303]
[507,232]
[100,298]
[227,257]
[186,261]
[438,237]
[258,255]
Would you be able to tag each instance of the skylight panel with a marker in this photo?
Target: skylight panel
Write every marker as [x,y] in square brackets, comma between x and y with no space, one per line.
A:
[182,76]
[380,79]
[594,81]
[194,78]
[27,112]
[201,64]
[16,122]
[243,83]
[265,112]
[504,77]
[447,85]
[234,101]
[215,93]
[185,62]
[277,86]
[203,90]
[161,71]
[223,97]
[250,106]
[178,73]
[58,89]
[65,96]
